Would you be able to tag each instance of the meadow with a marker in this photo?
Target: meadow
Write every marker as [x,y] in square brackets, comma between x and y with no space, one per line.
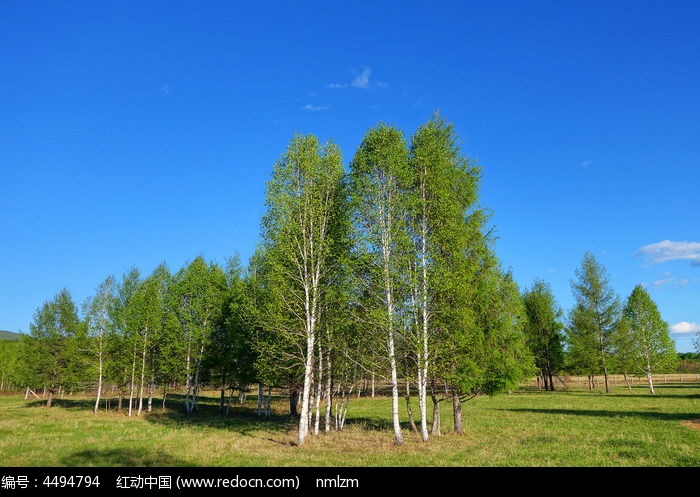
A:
[525,428]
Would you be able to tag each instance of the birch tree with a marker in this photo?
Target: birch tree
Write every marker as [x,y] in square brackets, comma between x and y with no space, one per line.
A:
[123,347]
[10,372]
[379,180]
[99,329]
[198,293]
[655,351]
[302,199]
[444,217]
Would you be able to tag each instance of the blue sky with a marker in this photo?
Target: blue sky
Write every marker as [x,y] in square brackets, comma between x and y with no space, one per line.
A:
[134,133]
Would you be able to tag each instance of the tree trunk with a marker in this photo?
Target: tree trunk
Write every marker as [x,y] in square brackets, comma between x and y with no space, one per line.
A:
[551,381]
[195,391]
[293,400]
[306,389]
[222,396]
[188,375]
[132,386]
[435,430]
[260,398]
[457,412]
[650,380]
[627,382]
[329,393]
[99,385]
[151,388]
[229,403]
[411,421]
[319,389]
[143,372]
[49,401]
[372,385]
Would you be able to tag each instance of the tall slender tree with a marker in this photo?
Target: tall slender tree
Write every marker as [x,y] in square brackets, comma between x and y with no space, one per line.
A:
[99,330]
[121,347]
[10,371]
[303,199]
[198,293]
[655,350]
[379,181]
[594,318]
[543,329]
[446,225]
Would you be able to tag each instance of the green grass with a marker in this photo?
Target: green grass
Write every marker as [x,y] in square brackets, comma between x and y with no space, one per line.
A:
[572,428]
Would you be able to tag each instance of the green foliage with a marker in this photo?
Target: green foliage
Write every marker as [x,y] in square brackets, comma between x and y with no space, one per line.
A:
[543,330]
[9,364]
[49,354]
[593,320]
[654,350]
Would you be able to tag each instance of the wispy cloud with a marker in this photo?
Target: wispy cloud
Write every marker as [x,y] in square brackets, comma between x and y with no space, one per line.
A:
[667,279]
[667,250]
[165,89]
[587,163]
[418,102]
[361,80]
[315,108]
[685,327]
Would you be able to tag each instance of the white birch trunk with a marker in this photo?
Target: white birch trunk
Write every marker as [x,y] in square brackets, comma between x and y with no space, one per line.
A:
[99,384]
[260,398]
[306,392]
[423,344]
[188,375]
[329,395]
[319,390]
[143,372]
[133,381]
[195,391]
[650,379]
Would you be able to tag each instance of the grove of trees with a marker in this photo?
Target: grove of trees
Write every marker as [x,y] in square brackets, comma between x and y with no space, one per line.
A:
[386,271]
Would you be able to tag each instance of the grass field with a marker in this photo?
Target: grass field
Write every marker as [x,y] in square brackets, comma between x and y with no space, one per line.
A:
[527,428]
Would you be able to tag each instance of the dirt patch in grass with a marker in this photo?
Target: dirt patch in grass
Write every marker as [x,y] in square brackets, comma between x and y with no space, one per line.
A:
[692,423]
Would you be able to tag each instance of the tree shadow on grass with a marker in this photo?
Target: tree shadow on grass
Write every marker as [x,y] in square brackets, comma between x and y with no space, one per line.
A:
[122,457]
[81,404]
[242,419]
[367,423]
[659,416]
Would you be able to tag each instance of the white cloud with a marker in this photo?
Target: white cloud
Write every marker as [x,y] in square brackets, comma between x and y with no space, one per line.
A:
[668,279]
[667,250]
[315,108]
[362,80]
[165,89]
[586,163]
[685,327]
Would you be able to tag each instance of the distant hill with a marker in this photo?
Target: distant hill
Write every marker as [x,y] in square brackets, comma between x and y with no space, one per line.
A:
[9,335]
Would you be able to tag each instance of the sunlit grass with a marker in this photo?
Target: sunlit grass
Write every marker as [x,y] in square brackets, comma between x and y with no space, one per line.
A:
[525,428]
